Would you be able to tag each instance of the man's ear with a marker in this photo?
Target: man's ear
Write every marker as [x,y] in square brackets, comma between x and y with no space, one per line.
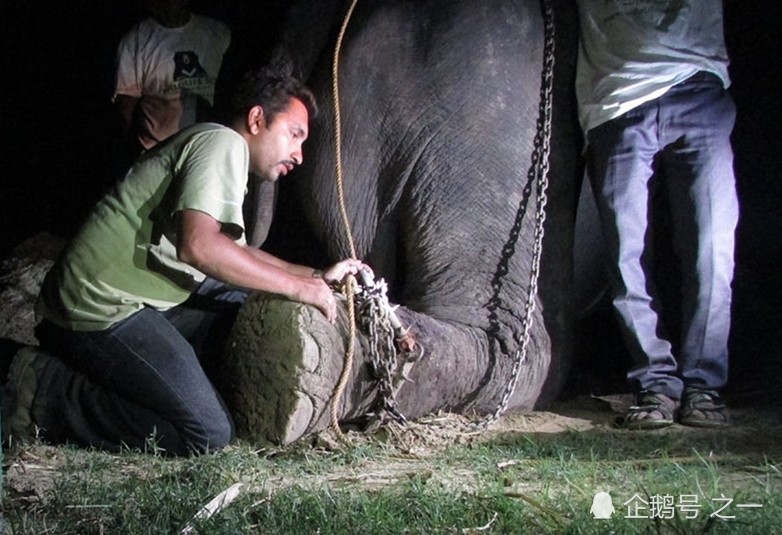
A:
[255,120]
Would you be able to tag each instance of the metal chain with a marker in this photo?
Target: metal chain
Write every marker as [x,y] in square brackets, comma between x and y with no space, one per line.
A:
[540,168]
[374,312]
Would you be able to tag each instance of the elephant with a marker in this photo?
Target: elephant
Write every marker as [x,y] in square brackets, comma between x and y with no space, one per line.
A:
[441,102]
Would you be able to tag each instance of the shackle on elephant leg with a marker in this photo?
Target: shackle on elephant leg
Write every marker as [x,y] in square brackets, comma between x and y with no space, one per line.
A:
[404,339]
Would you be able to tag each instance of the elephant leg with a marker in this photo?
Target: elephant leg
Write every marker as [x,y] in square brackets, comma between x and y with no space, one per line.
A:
[284,360]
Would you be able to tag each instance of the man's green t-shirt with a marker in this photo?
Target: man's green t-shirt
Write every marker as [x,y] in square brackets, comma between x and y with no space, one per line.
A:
[124,257]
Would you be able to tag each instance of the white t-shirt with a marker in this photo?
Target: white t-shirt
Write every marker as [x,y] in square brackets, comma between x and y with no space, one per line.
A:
[633,51]
[169,69]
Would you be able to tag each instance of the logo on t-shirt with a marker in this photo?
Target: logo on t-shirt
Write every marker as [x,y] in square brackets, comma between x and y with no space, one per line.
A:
[190,75]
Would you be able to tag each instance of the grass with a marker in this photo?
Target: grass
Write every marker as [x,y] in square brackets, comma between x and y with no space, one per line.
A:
[506,481]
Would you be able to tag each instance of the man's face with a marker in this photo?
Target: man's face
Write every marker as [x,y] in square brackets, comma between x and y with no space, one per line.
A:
[276,148]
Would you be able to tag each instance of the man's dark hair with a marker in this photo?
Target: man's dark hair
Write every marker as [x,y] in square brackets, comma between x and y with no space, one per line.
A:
[272,87]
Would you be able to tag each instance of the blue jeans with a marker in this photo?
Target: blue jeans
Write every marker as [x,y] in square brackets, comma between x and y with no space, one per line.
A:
[140,381]
[683,137]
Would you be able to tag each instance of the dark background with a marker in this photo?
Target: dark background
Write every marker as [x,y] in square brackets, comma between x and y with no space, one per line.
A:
[60,146]
[60,149]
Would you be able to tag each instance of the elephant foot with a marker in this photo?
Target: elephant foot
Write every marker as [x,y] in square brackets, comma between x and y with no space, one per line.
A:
[284,359]
[280,367]
[300,420]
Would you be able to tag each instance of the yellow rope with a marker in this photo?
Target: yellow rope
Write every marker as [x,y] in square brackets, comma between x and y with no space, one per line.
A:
[338,129]
[350,283]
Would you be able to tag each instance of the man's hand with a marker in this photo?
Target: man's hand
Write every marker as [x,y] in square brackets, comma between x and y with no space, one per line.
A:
[203,245]
[334,274]
[317,293]
[340,270]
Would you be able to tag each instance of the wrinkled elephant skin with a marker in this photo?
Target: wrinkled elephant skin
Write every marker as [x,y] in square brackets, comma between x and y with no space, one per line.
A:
[439,103]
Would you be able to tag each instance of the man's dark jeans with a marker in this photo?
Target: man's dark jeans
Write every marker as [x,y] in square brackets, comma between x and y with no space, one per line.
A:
[140,383]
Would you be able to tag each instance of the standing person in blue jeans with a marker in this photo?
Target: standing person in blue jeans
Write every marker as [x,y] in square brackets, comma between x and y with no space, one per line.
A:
[155,277]
[652,82]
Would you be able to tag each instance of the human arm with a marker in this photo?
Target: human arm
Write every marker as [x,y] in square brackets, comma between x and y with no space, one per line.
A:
[333,274]
[203,245]
[128,85]
[126,106]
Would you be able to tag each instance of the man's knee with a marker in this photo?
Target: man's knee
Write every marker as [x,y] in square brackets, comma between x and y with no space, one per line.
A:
[216,436]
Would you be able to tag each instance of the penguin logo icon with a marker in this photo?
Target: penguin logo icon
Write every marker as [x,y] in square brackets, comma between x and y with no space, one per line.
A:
[602,506]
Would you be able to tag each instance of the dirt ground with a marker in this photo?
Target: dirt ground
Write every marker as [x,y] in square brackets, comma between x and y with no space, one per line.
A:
[755,433]
[756,415]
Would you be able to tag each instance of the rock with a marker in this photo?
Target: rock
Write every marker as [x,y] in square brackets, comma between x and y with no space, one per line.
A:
[21,276]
